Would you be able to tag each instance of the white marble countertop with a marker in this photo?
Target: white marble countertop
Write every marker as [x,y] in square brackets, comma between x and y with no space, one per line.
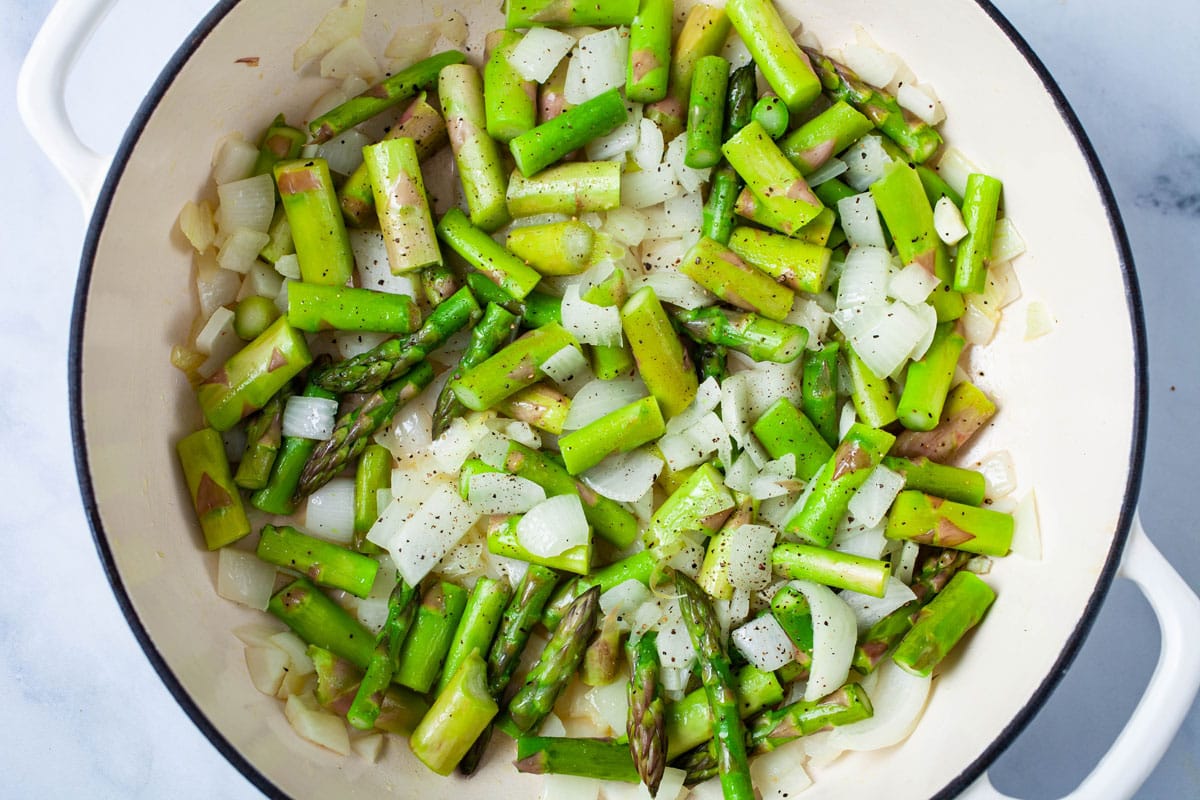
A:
[88,717]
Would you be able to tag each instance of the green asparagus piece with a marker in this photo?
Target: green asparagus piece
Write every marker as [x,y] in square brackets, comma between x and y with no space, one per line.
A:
[924,519]
[701,504]
[941,480]
[552,95]
[706,112]
[832,568]
[602,661]
[740,99]
[253,315]
[264,435]
[502,540]
[790,608]
[569,13]
[824,136]
[390,92]
[942,624]
[556,248]
[750,206]
[690,722]
[859,452]
[603,759]
[778,185]
[313,307]
[324,563]
[541,309]
[936,188]
[513,368]
[718,269]
[610,361]
[729,733]
[772,114]
[979,207]
[520,617]
[927,382]
[620,431]
[477,627]
[661,359]
[480,168]
[646,723]
[494,330]
[540,147]
[638,567]
[441,608]
[280,242]
[482,252]
[393,358]
[819,389]
[374,472]
[385,659]
[276,496]
[649,65]
[558,663]
[338,681]
[776,52]
[703,34]
[918,139]
[318,231]
[713,576]
[723,191]
[462,711]
[279,142]
[758,337]
[420,122]
[576,188]
[712,362]
[509,100]
[795,263]
[402,205]
[439,284]
[488,292]
[353,430]
[542,406]
[784,429]
[967,409]
[873,397]
[214,496]
[318,620]
[252,376]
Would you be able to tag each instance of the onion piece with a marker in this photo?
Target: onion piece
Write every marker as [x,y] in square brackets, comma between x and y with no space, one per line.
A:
[309,417]
[329,513]
[219,325]
[569,369]
[674,643]
[429,534]
[826,172]
[921,102]
[873,65]
[539,52]
[553,526]
[928,316]
[344,152]
[691,179]
[625,225]
[597,64]
[749,549]
[780,774]
[368,747]
[740,476]
[835,633]
[948,221]
[954,168]
[625,477]
[599,397]
[299,662]
[866,161]
[268,666]
[239,251]
[906,561]
[898,699]
[350,57]
[316,725]
[649,187]
[501,493]
[248,203]
[624,600]
[860,220]
[340,23]
[856,539]
[650,145]
[619,141]
[1027,531]
[590,323]
[233,159]
[556,786]
[864,279]
[1007,243]
[869,610]
[374,269]
[776,478]
[244,578]
[763,643]
[196,224]
[707,400]
[999,474]
[873,499]
[913,284]
[288,266]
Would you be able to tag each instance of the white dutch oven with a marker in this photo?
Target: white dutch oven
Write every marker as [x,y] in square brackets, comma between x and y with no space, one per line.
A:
[1072,403]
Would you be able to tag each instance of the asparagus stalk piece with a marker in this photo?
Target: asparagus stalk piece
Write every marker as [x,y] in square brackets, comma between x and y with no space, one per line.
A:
[324,563]
[702,503]
[463,709]
[918,139]
[253,315]
[432,632]
[280,232]
[318,231]
[368,699]
[750,206]
[420,122]
[790,608]
[979,207]
[353,430]
[488,292]
[824,136]
[513,368]
[921,518]
[784,429]
[482,252]
[393,358]
[338,681]
[264,434]
[758,337]
[713,576]
[967,409]
[859,452]
[703,34]
[706,112]
[279,142]
[818,390]
[832,568]
[797,264]
[573,189]
[318,620]
[494,330]
[552,98]
[610,361]
[558,663]
[941,480]
[556,248]
[374,472]
[729,734]
[712,362]
[569,13]
[542,406]
[874,400]
[936,188]
[603,759]
[510,101]
[661,359]
[214,496]
[772,114]
[477,627]
[927,382]
[541,309]
[723,190]
[480,168]
[502,540]
[776,52]
[390,92]
[620,431]
[649,66]
[646,723]
[638,567]
[540,147]
[775,181]
[313,307]
[602,660]
[439,284]
[718,269]
[690,722]
[253,375]
[276,496]
[401,204]
[520,617]
[942,624]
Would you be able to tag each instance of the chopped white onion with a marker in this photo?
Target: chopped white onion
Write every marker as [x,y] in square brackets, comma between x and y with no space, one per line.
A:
[553,526]
[707,400]
[999,474]
[245,578]
[374,269]
[873,499]
[826,172]
[368,747]
[650,145]
[921,102]
[775,479]
[317,725]
[978,327]
[240,249]
[1027,531]
[954,168]
[898,699]
[568,368]
[864,279]
[809,314]
[329,513]
[866,161]
[649,187]
[624,600]
[739,606]
[928,315]
[688,557]
[296,648]
[353,343]
[869,610]
[340,23]
[598,397]
[501,493]
[411,43]
[674,643]
[882,336]
[309,417]
[597,65]
[196,223]
[741,475]
[350,57]
[429,534]
[1007,243]
[913,284]
[763,643]
[1038,321]
[780,774]
[677,218]
[219,325]
[860,220]
[620,140]
[737,412]
[625,477]
[268,666]
[233,160]
[539,52]
[710,436]
[556,786]
[262,280]
[590,323]
[749,550]
[835,633]
[288,266]
[609,706]
[690,178]
[248,203]
[906,561]
[872,64]
[344,152]
[672,286]
[517,431]
[948,221]
[625,225]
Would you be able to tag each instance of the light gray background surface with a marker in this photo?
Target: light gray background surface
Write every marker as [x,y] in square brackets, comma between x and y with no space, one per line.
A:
[86,716]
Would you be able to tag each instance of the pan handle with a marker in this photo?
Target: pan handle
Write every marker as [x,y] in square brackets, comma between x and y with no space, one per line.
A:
[41,88]
[1168,697]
